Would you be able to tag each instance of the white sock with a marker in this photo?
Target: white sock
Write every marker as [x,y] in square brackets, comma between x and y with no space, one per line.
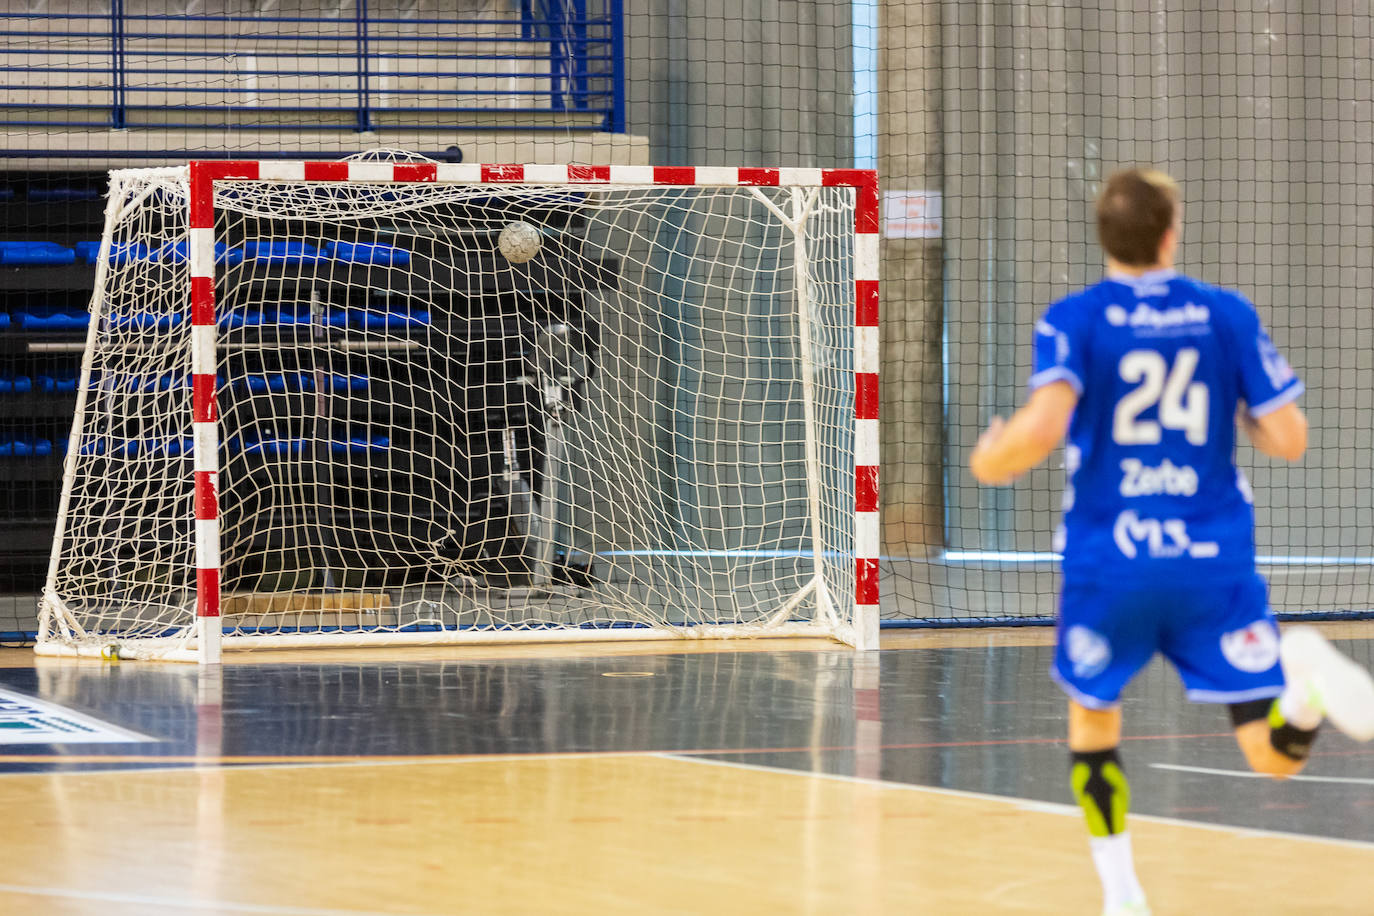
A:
[1116,868]
[1297,708]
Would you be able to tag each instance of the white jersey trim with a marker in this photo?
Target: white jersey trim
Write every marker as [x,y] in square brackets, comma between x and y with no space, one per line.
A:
[1055,374]
[1078,696]
[1235,696]
[1285,396]
[1146,284]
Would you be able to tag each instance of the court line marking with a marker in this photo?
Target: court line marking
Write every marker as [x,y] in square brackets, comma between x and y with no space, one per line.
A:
[1026,804]
[186,904]
[199,762]
[1248,774]
[1030,804]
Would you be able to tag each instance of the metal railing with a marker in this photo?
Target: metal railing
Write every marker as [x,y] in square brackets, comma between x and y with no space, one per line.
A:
[538,64]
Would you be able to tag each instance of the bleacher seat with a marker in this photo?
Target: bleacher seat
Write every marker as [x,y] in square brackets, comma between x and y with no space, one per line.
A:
[175,253]
[25,448]
[366,319]
[16,254]
[282,252]
[55,321]
[364,253]
[145,321]
[20,384]
[40,194]
[50,385]
[123,252]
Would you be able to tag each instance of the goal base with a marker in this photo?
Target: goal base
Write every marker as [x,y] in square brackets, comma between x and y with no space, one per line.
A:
[158,649]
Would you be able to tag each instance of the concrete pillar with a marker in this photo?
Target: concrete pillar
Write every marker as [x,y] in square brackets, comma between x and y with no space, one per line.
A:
[910,158]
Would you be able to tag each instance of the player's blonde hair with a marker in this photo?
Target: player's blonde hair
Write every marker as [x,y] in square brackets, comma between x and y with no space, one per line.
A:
[1134,210]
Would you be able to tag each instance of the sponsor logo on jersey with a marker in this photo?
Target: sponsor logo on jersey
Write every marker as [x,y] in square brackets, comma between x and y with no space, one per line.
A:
[1275,366]
[1167,479]
[1145,317]
[1061,340]
[1163,538]
[1254,648]
[1088,651]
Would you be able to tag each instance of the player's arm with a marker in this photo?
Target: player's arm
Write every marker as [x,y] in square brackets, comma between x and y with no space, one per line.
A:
[1008,449]
[1268,387]
[1280,433]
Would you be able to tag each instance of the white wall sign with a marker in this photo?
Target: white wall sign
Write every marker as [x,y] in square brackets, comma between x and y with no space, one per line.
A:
[913,214]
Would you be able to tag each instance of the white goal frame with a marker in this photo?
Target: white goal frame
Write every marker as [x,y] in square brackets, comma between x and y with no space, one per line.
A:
[206,640]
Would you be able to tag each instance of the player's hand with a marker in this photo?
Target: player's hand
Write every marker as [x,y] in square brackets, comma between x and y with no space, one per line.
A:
[978,460]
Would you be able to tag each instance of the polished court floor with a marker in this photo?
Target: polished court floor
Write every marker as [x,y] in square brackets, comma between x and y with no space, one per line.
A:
[768,777]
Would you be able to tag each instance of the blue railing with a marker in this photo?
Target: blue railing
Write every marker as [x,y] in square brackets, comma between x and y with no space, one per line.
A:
[546,64]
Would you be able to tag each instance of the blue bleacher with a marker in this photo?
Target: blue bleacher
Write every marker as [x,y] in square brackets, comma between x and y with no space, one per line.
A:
[268,252]
[19,254]
[299,382]
[175,253]
[122,253]
[50,385]
[55,321]
[133,448]
[145,321]
[378,321]
[22,384]
[276,448]
[282,252]
[61,194]
[364,253]
[25,448]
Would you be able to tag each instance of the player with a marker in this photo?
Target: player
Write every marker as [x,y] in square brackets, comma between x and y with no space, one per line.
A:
[1148,373]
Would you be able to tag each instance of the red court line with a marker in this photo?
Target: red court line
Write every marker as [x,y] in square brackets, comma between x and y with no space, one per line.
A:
[232,760]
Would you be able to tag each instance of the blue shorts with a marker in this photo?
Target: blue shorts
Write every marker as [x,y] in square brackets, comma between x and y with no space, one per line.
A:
[1221,637]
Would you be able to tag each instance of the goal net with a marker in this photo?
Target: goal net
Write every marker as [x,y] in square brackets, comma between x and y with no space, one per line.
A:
[365,402]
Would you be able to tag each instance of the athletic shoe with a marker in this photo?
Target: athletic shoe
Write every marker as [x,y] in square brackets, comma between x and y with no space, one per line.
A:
[1333,683]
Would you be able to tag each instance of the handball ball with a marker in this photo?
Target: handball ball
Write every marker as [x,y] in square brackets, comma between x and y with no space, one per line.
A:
[519,242]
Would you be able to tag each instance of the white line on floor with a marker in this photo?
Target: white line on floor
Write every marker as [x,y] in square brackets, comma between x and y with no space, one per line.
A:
[218,906]
[1027,804]
[1247,774]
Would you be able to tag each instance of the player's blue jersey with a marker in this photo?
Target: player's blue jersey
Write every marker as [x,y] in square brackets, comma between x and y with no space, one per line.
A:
[1160,363]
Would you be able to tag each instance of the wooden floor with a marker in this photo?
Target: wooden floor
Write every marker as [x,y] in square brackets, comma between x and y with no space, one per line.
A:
[797,778]
[623,834]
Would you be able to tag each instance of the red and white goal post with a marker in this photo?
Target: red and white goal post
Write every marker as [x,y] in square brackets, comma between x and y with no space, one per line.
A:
[328,403]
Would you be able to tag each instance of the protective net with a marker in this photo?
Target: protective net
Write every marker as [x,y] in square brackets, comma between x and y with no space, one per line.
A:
[647,425]
[1009,117]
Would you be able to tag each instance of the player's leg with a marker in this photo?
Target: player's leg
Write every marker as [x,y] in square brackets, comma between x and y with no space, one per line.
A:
[1105,637]
[1100,787]
[1227,648]
[1321,682]
[1272,744]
